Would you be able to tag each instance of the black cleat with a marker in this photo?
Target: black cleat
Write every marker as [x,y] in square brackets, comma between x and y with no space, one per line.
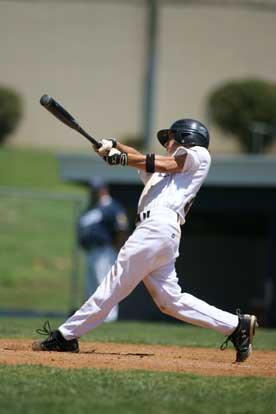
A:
[242,337]
[55,341]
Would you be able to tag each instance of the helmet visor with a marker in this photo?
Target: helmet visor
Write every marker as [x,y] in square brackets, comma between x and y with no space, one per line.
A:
[165,134]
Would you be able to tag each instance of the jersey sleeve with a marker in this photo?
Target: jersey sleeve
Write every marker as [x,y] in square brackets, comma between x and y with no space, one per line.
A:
[144,176]
[192,161]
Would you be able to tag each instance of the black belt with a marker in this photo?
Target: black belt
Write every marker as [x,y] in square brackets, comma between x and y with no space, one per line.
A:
[142,216]
[145,214]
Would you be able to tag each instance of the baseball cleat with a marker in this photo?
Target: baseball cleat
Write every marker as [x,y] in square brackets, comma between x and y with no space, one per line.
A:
[54,341]
[242,337]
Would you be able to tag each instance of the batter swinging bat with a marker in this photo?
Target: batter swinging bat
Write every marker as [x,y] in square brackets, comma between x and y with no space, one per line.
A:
[60,113]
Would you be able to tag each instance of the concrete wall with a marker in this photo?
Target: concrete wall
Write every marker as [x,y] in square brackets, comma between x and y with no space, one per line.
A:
[90,55]
[201,47]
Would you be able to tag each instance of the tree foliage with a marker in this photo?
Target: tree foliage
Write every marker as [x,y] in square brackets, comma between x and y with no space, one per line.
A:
[245,108]
[10,112]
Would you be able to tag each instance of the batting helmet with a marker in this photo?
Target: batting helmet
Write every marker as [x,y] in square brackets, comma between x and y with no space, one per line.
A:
[186,132]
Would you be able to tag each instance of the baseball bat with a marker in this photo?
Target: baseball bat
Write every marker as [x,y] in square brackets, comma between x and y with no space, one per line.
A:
[64,116]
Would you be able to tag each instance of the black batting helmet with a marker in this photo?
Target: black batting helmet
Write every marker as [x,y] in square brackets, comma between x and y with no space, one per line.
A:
[186,132]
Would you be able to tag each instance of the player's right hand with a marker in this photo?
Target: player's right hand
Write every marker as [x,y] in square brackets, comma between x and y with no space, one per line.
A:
[106,146]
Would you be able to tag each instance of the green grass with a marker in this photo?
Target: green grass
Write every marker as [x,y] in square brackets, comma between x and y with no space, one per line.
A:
[30,168]
[36,242]
[33,390]
[36,235]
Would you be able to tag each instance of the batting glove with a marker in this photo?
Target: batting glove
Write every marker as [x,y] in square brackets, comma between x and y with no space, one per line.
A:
[116,157]
[106,146]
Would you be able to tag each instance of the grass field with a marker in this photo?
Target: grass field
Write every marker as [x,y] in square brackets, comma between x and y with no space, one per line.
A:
[29,168]
[36,242]
[33,389]
[36,234]
[42,390]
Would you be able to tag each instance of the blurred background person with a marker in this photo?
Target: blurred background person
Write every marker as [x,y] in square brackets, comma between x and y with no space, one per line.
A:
[101,231]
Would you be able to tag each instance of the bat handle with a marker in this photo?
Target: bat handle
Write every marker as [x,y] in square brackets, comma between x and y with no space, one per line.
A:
[91,139]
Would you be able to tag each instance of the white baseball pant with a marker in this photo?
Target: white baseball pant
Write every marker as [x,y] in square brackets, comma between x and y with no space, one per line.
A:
[149,255]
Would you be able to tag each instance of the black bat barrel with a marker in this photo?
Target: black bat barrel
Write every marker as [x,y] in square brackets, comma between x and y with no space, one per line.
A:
[45,100]
[64,116]
[58,111]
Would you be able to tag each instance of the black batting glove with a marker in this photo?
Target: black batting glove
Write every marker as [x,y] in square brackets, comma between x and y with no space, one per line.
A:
[115,157]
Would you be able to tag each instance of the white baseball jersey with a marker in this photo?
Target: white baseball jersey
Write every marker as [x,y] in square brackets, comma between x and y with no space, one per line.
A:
[176,191]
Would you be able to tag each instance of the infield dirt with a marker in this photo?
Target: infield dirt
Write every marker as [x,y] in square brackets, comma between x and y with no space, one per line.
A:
[205,361]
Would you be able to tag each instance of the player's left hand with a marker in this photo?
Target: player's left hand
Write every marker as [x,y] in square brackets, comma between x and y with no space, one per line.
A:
[116,157]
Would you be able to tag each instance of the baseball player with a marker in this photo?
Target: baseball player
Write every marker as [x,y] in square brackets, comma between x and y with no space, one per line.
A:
[101,232]
[149,254]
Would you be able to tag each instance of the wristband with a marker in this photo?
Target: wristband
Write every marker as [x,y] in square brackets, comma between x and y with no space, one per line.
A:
[150,163]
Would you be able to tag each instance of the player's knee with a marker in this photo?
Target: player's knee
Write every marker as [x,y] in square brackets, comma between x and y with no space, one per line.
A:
[165,303]
[165,308]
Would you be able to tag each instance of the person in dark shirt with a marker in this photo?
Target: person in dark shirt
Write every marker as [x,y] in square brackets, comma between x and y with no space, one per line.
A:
[101,233]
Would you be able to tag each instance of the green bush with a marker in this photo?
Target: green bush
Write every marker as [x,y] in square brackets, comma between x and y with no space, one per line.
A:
[10,112]
[246,109]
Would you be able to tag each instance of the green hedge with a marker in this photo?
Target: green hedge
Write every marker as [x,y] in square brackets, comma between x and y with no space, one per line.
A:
[11,109]
[247,109]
